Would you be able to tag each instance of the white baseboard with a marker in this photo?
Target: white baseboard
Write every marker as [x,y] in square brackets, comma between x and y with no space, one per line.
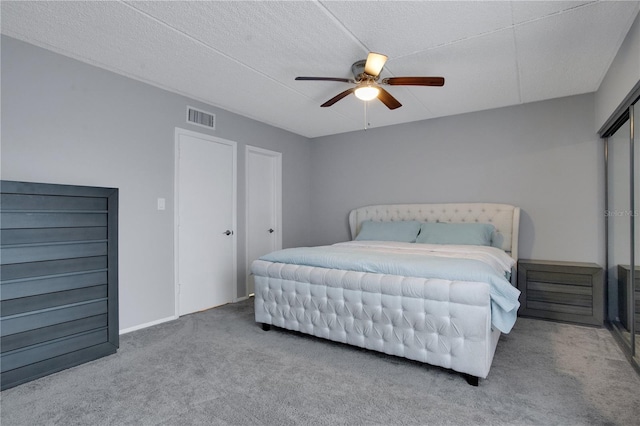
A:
[171,318]
[149,324]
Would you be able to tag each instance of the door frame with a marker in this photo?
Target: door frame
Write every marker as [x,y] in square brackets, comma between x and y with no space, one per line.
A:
[176,206]
[278,203]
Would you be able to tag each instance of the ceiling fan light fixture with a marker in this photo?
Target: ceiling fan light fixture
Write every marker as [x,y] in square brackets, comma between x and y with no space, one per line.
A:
[374,64]
[367,92]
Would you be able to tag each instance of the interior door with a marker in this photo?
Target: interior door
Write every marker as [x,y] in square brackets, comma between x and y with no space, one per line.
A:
[206,219]
[264,205]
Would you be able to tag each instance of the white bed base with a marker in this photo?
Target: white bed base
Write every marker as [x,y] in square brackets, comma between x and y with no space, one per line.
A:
[435,321]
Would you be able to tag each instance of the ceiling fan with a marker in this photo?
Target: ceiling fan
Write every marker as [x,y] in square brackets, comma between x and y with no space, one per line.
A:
[366,74]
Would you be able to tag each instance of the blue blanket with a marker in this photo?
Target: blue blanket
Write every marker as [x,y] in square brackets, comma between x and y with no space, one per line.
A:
[504,297]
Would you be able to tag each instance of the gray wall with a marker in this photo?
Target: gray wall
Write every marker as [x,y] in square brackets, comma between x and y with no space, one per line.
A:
[67,122]
[621,76]
[544,157]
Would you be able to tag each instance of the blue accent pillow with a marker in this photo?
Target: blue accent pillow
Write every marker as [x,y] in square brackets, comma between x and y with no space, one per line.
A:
[477,234]
[497,240]
[403,231]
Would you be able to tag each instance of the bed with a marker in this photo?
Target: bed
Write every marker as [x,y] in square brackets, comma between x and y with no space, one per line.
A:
[427,282]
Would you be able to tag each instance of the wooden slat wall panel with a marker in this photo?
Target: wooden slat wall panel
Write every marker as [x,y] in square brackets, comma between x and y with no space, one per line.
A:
[38,369]
[36,188]
[43,318]
[17,220]
[51,300]
[39,252]
[43,334]
[48,235]
[28,287]
[54,267]
[58,277]
[51,202]
[52,348]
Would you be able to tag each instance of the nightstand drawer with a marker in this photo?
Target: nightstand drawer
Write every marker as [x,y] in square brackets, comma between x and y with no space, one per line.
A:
[563,291]
[560,278]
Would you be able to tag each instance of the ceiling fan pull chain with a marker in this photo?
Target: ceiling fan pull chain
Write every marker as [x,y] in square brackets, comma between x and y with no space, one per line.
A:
[365,115]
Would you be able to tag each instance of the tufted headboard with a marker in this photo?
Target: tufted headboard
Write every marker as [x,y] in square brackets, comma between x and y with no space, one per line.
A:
[505,218]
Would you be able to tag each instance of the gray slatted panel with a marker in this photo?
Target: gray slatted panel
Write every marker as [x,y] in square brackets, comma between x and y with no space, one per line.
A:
[51,202]
[35,188]
[48,235]
[40,252]
[112,236]
[43,318]
[50,300]
[48,366]
[43,334]
[21,357]
[14,220]
[27,287]
[54,267]
[58,272]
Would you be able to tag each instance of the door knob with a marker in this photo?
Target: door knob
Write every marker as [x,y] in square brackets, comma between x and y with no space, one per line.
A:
[271,231]
[227,232]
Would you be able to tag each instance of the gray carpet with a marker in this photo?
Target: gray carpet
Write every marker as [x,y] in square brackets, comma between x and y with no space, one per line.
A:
[218,367]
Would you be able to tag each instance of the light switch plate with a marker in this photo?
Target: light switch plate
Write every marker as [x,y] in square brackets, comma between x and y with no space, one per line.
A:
[161,203]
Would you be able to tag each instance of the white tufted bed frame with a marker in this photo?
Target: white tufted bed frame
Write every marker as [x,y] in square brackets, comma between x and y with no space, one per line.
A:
[435,321]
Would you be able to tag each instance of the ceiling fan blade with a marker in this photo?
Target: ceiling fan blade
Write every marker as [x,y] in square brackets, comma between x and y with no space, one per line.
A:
[342,80]
[414,81]
[388,100]
[337,97]
[374,64]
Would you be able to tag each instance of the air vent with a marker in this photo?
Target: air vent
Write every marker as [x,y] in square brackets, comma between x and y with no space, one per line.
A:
[201,118]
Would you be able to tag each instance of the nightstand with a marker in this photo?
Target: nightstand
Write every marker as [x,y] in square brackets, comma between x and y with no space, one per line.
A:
[624,276]
[561,291]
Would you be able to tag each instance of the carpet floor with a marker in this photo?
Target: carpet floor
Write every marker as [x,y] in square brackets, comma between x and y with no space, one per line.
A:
[218,367]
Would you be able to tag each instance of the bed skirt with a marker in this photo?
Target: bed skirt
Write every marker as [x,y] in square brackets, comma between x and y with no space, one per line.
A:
[434,321]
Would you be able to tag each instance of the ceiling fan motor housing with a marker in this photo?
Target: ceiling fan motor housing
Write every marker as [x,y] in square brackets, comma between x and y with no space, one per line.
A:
[357,69]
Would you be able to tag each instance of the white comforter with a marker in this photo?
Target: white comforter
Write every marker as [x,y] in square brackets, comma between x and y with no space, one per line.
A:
[498,259]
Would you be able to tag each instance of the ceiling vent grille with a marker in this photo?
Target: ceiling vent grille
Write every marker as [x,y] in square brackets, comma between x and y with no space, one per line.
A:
[201,118]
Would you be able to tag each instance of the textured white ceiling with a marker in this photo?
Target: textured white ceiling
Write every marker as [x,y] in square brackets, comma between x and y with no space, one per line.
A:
[243,56]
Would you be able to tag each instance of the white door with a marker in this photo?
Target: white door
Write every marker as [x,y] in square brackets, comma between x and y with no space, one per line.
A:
[206,219]
[264,205]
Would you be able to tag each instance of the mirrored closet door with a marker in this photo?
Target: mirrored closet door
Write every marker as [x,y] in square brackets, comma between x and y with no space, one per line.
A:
[622,156]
